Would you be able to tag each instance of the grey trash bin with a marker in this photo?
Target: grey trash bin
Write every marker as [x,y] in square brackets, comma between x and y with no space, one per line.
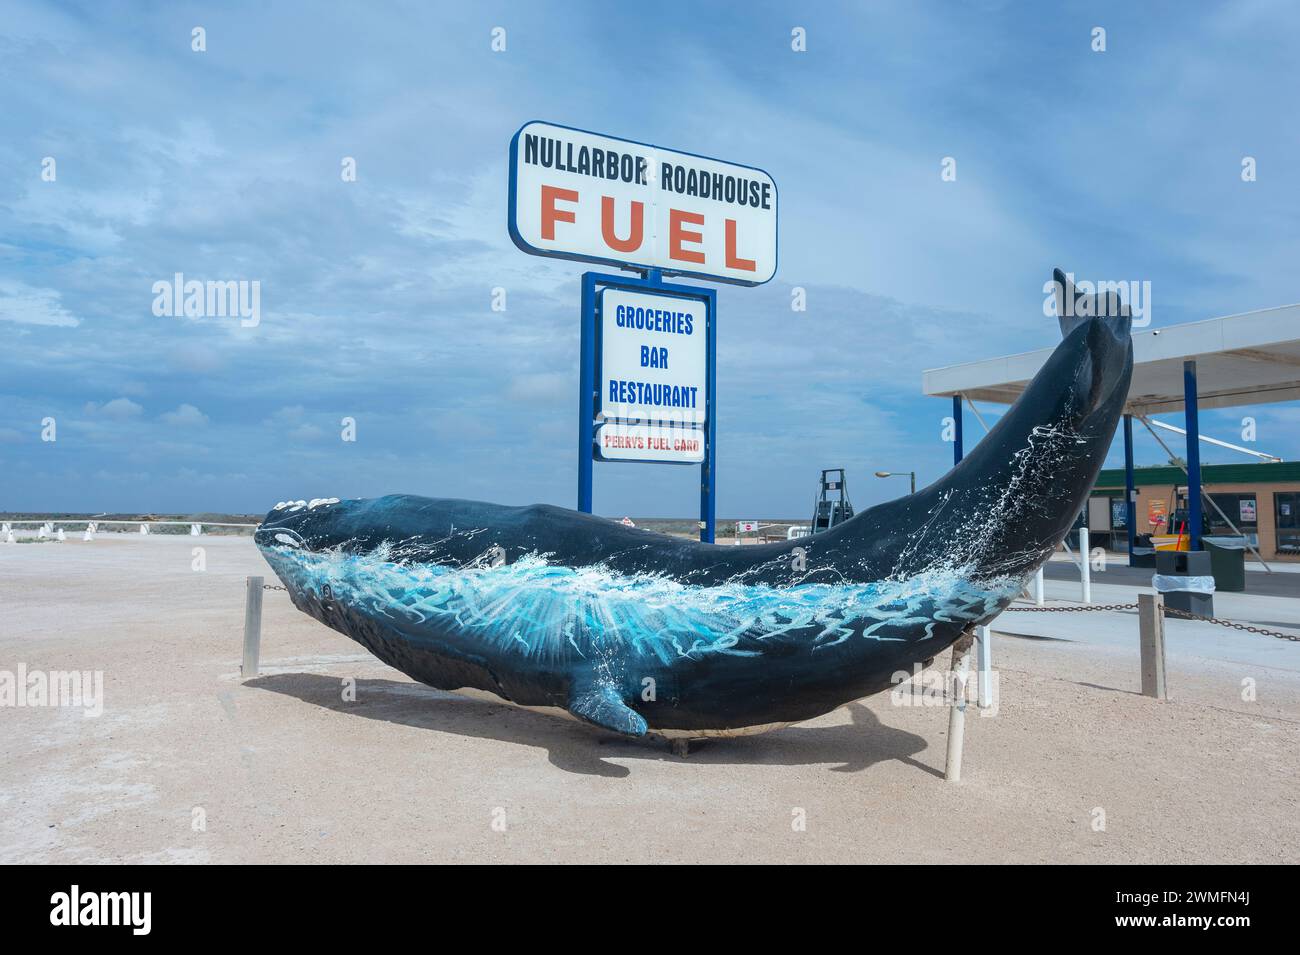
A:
[1185,580]
[1142,557]
[1227,562]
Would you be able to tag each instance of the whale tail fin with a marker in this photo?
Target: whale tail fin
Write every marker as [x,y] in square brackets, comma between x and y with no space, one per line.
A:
[1073,307]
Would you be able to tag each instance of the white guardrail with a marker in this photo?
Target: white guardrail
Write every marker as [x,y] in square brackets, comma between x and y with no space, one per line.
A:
[54,530]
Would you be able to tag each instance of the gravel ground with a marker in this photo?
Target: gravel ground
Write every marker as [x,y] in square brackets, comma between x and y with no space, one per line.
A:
[188,764]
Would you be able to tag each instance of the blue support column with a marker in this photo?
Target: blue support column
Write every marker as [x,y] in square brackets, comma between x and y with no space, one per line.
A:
[1130,506]
[1193,424]
[587,391]
[956,435]
[709,469]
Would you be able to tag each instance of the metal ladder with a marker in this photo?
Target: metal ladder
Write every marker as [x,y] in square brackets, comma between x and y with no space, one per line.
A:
[832,505]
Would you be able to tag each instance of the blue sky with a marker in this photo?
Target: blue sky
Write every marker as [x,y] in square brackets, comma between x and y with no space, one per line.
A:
[376,294]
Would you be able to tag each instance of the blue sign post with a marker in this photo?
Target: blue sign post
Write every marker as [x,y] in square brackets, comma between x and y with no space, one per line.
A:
[589,397]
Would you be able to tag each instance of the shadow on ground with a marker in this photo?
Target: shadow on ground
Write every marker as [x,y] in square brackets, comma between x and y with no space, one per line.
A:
[576,748]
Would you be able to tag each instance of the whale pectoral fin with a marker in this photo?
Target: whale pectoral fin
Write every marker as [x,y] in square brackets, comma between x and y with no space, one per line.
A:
[604,707]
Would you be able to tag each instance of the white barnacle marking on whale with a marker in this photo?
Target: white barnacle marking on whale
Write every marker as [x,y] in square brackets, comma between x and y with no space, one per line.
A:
[320,501]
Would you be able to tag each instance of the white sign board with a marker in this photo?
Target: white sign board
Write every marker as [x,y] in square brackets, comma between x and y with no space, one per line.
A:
[653,357]
[746,527]
[623,441]
[581,195]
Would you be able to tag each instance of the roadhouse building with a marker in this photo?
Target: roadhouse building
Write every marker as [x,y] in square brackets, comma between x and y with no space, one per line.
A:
[1229,362]
[1262,500]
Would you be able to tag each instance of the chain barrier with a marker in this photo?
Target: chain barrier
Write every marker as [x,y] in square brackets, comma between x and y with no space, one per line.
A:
[1169,612]
[1187,615]
[1081,609]
[274,587]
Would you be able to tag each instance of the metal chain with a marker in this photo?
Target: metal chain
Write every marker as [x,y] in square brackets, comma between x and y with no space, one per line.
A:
[1169,611]
[1082,609]
[1188,615]
[273,587]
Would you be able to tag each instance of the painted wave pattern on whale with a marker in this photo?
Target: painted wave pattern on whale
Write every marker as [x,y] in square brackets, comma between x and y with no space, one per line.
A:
[551,613]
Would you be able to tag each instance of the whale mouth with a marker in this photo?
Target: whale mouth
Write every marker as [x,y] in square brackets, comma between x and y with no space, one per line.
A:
[279,537]
[296,525]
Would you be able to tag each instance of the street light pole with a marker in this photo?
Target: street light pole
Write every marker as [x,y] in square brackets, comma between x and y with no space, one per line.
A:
[909,474]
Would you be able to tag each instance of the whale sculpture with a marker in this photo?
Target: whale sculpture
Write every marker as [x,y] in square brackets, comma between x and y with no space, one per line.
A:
[639,632]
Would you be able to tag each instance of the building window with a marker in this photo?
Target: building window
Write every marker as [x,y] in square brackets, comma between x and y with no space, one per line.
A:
[1286,517]
[1239,508]
[1118,514]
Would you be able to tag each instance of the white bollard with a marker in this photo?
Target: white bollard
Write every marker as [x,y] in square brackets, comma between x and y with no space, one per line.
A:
[195,530]
[1085,565]
[90,533]
[59,535]
[144,528]
[984,687]
[1151,640]
[1038,587]
[252,628]
[957,720]
[43,533]
[4,529]
[9,537]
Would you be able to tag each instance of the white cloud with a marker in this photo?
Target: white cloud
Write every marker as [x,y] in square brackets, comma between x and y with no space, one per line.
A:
[26,305]
[378,292]
[119,409]
[185,416]
[536,387]
[289,414]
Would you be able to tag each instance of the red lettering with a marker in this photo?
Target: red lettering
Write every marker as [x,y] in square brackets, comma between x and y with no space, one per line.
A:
[552,215]
[635,233]
[677,235]
[733,262]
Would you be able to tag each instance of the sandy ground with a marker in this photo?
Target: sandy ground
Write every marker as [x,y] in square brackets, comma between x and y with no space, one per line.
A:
[188,764]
